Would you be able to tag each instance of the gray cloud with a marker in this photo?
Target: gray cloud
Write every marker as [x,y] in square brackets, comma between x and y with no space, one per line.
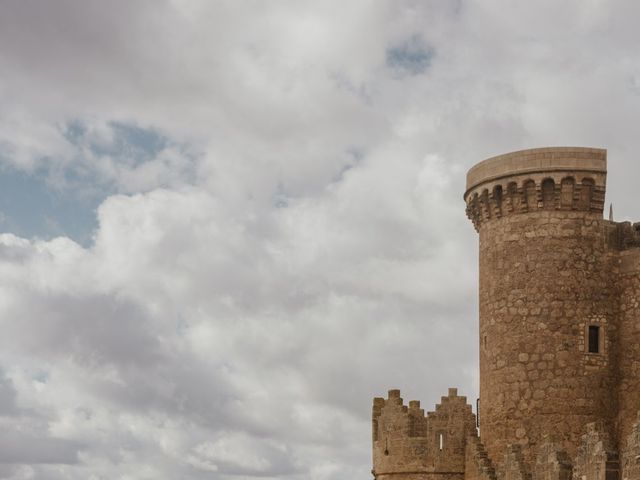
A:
[19,448]
[7,397]
[279,233]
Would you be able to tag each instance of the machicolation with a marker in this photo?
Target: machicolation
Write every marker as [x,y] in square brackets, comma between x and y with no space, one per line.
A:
[559,336]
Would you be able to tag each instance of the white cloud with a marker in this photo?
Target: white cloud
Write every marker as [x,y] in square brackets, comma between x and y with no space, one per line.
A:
[281,233]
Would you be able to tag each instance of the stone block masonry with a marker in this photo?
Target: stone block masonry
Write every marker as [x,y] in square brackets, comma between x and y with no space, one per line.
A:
[407,444]
[559,335]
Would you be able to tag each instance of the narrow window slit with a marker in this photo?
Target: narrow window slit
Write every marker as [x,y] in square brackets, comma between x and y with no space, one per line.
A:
[594,339]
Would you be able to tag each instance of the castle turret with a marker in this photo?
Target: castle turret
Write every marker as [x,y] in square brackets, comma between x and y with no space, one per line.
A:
[409,445]
[548,298]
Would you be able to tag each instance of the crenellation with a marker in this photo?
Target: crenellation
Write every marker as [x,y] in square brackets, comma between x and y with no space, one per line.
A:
[527,195]
[409,443]
[559,341]
[626,235]
[378,404]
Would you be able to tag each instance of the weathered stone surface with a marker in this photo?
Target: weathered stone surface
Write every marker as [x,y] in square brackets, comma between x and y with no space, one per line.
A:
[546,274]
[514,465]
[628,347]
[597,459]
[478,466]
[408,442]
[631,453]
[552,463]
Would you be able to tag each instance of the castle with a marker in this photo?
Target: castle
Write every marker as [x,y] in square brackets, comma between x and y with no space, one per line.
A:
[559,336]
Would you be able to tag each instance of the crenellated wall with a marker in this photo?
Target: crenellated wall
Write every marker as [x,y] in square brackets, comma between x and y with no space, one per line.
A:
[409,445]
[543,179]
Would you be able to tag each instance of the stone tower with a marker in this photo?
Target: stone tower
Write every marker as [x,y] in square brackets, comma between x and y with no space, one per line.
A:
[546,284]
[559,336]
[409,445]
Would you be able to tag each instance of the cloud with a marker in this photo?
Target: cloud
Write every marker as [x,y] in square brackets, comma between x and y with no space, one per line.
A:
[18,448]
[7,397]
[235,454]
[227,226]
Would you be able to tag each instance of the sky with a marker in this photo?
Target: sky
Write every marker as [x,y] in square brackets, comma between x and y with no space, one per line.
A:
[225,226]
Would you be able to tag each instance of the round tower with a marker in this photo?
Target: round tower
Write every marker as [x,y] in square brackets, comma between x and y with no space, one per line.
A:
[547,299]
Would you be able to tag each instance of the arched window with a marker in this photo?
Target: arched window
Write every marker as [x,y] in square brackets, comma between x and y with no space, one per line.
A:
[497,197]
[586,193]
[512,195]
[484,201]
[548,194]
[531,195]
[566,192]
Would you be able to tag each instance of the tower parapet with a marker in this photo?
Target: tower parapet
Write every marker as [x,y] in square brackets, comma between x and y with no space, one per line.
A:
[560,178]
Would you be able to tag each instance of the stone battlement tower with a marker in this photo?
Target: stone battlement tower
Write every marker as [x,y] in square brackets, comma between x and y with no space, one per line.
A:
[407,443]
[559,330]
[546,281]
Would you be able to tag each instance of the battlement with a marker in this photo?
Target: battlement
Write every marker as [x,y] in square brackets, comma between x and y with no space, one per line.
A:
[551,179]
[410,420]
[406,441]
[625,235]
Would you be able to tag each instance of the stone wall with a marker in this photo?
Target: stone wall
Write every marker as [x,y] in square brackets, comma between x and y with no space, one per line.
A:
[399,439]
[544,278]
[631,453]
[552,462]
[597,458]
[407,444]
[478,465]
[515,468]
[629,344]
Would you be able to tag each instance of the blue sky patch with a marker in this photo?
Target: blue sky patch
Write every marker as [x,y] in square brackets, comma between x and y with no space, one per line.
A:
[128,143]
[411,57]
[55,199]
[29,207]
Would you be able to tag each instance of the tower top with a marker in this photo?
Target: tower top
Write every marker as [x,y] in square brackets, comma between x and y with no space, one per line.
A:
[561,179]
[537,161]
